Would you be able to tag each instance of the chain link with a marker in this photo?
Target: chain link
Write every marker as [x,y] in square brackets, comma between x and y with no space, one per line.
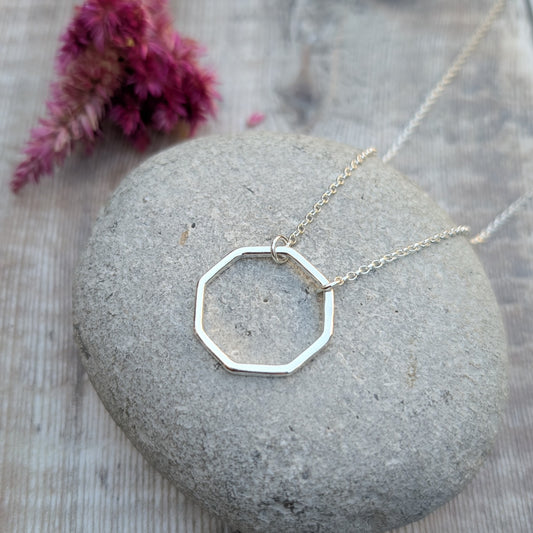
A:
[406,133]
[377,263]
[392,256]
[432,97]
[331,190]
[448,77]
[502,218]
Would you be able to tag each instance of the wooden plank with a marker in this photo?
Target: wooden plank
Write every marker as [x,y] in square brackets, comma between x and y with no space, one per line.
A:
[354,72]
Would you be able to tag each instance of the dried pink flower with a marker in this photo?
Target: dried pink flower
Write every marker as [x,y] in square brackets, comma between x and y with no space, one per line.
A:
[122,59]
[255,119]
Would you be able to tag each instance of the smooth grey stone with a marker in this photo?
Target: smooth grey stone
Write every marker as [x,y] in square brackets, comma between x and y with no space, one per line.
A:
[388,422]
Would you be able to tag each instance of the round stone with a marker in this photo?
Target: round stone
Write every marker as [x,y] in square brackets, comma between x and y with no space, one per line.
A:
[387,422]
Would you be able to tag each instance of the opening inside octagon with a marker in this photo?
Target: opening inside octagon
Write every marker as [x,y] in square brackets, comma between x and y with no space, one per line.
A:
[259,312]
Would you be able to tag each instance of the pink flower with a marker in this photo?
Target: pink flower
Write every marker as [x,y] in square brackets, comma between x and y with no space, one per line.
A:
[114,21]
[255,119]
[122,59]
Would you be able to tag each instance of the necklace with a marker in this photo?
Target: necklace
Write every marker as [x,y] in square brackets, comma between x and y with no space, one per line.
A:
[281,249]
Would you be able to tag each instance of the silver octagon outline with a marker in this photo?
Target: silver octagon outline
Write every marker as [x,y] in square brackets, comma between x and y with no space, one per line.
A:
[257,368]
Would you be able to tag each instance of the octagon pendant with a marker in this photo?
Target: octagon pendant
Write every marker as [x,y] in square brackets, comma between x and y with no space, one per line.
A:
[255,368]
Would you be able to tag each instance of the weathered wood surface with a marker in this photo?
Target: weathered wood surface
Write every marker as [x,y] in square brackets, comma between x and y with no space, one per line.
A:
[350,71]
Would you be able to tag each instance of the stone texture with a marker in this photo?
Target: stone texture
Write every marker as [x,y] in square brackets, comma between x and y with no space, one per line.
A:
[388,422]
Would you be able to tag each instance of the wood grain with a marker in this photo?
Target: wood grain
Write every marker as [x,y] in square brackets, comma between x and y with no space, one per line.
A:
[350,71]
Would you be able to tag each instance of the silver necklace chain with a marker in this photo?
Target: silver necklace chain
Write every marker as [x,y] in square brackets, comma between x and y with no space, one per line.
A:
[376,263]
[392,256]
[406,133]
[331,190]
[452,72]
[432,98]
[281,248]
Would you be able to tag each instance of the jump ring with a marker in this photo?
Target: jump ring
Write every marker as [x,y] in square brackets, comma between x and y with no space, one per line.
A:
[330,285]
[275,243]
